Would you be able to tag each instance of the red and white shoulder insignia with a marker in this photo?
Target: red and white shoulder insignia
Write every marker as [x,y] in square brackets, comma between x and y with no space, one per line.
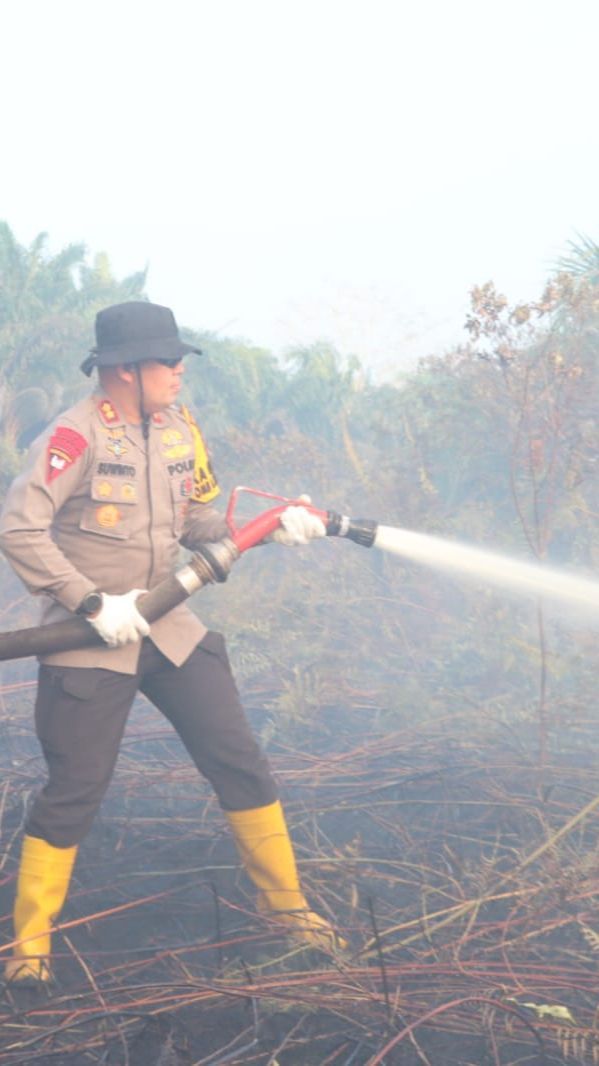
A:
[108,413]
[65,445]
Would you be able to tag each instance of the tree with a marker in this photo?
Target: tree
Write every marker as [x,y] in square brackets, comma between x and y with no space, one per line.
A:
[582,261]
[47,306]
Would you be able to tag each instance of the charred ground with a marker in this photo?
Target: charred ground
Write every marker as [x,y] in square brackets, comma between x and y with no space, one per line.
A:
[465,881]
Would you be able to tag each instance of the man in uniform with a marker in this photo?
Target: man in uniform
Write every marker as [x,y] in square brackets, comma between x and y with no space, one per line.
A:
[109,493]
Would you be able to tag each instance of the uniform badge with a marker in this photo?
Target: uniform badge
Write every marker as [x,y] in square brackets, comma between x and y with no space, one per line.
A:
[178,451]
[171,436]
[108,516]
[104,489]
[116,470]
[115,444]
[65,445]
[128,492]
[109,414]
[175,444]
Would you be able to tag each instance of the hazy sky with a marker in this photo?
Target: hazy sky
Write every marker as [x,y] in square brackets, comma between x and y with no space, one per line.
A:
[292,169]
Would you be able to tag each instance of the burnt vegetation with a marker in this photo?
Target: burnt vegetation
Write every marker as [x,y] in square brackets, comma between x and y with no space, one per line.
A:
[435,742]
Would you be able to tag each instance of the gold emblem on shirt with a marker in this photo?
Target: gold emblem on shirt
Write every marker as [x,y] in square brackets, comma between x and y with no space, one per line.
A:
[108,413]
[108,516]
[175,446]
[128,492]
[178,451]
[115,443]
[104,489]
[171,436]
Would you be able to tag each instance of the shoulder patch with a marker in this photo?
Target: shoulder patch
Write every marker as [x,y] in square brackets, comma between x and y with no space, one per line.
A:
[205,485]
[65,445]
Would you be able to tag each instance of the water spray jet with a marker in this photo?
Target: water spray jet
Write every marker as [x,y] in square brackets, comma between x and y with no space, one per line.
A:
[492,568]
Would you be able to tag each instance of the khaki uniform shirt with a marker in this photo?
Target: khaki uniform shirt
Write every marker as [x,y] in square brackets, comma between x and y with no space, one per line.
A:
[100,507]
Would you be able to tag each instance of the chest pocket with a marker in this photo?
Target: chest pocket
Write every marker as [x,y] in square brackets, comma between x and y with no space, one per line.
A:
[112,507]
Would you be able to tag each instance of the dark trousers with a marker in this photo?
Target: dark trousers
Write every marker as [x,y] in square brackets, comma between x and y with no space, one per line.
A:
[80,717]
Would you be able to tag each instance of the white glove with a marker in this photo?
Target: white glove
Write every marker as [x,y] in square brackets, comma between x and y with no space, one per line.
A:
[298,526]
[118,621]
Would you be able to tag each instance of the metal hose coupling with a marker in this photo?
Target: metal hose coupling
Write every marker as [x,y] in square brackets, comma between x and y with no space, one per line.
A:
[361,530]
[210,563]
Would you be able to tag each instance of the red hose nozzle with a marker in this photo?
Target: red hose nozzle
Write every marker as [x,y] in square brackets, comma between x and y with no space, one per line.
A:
[360,530]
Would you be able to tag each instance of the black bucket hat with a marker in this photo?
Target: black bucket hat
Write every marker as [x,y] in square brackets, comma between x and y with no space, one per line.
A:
[135,332]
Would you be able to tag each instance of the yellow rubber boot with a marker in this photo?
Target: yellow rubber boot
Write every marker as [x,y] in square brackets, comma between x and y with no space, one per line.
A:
[266,851]
[42,885]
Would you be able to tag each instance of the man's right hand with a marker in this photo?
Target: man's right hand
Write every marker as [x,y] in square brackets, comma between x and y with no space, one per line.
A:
[118,621]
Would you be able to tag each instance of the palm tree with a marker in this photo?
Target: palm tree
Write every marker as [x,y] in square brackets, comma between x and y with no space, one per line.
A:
[582,260]
[47,306]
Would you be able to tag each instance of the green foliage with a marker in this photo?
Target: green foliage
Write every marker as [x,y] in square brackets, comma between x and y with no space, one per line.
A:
[582,260]
[10,461]
[232,383]
[47,308]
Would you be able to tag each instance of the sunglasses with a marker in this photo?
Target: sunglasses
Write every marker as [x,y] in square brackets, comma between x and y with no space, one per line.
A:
[171,363]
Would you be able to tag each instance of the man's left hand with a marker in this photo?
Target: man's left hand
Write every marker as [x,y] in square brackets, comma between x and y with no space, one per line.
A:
[298,526]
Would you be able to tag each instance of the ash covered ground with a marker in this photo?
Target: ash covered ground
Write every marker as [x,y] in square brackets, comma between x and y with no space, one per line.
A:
[464,878]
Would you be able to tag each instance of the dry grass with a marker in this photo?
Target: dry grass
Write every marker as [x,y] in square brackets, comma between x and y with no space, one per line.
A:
[464,878]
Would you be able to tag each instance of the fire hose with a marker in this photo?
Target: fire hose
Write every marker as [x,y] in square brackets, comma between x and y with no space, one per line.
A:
[211,563]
